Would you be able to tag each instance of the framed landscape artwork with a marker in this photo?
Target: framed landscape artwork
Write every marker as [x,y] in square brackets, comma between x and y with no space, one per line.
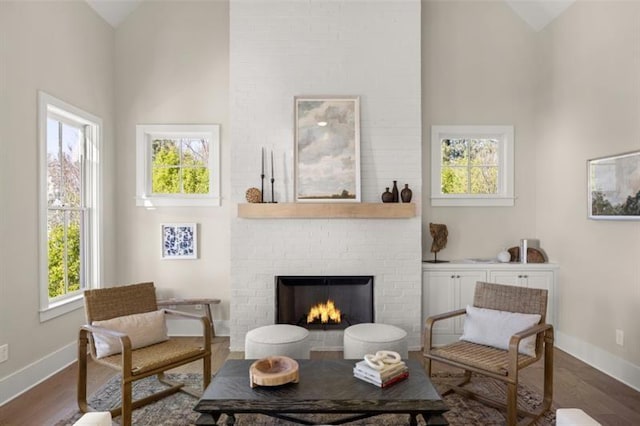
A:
[327,149]
[614,187]
[179,241]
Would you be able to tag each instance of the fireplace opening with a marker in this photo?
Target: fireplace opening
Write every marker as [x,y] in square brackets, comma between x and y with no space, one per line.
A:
[324,302]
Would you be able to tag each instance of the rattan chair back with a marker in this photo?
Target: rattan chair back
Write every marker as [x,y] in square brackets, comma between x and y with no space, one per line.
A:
[511,299]
[106,303]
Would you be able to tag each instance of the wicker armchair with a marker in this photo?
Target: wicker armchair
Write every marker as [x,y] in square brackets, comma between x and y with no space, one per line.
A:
[499,364]
[136,364]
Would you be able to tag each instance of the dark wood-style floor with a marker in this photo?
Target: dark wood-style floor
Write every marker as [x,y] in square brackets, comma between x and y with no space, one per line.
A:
[576,385]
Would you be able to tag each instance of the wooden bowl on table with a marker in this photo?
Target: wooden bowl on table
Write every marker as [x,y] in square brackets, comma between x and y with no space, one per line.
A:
[273,371]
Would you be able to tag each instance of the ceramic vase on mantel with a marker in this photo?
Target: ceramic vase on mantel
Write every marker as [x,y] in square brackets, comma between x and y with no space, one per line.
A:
[394,191]
[406,194]
[387,197]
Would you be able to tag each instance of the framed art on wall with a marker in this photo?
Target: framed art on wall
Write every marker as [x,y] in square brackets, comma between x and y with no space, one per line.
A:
[614,187]
[179,241]
[327,149]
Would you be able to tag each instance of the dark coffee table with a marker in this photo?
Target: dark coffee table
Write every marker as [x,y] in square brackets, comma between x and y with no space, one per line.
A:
[326,386]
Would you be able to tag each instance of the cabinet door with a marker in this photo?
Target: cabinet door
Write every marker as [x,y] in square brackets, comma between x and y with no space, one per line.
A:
[538,279]
[508,278]
[438,298]
[466,286]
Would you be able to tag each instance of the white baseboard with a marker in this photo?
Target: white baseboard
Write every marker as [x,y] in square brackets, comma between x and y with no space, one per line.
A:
[614,366]
[35,373]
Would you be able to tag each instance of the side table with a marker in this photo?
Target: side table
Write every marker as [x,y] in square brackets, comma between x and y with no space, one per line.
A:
[205,302]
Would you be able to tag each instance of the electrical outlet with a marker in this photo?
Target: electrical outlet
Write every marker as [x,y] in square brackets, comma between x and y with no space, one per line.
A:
[4,353]
[198,307]
[620,337]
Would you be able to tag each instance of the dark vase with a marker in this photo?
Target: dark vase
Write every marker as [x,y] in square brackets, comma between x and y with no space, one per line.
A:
[406,194]
[387,197]
[394,191]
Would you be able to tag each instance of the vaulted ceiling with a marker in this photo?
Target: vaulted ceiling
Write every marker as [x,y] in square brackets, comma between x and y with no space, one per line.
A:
[536,13]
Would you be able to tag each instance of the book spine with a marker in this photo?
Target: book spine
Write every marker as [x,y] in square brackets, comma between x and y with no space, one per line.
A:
[381,377]
[395,379]
[384,384]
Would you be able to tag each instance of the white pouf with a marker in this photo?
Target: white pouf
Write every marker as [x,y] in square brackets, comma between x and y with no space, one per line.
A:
[278,339]
[368,338]
[574,417]
[96,418]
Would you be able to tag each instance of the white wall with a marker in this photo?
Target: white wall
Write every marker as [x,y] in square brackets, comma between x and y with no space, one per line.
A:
[479,67]
[589,104]
[172,68]
[280,49]
[65,49]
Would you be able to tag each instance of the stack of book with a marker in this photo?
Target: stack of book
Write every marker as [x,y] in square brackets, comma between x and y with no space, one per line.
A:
[390,374]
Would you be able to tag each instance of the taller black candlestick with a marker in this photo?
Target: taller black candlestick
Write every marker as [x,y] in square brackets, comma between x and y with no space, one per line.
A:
[272,179]
[262,178]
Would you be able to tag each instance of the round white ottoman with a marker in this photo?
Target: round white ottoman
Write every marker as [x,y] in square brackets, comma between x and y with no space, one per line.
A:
[278,339]
[369,338]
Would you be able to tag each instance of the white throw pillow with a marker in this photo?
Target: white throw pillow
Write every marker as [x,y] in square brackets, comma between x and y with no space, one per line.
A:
[143,330]
[495,328]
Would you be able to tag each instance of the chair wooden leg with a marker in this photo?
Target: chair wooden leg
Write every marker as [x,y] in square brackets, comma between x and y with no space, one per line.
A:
[512,404]
[126,403]
[548,367]
[82,372]
[427,366]
[467,378]
[206,368]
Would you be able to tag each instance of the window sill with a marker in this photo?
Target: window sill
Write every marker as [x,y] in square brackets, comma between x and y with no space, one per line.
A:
[152,202]
[61,307]
[472,202]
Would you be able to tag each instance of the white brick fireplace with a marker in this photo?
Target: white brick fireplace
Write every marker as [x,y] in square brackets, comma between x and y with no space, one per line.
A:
[280,49]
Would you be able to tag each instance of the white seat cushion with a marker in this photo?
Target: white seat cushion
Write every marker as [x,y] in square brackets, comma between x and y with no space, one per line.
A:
[278,339]
[368,338]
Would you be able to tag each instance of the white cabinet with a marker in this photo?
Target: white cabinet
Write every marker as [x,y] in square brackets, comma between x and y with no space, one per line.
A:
[450,286]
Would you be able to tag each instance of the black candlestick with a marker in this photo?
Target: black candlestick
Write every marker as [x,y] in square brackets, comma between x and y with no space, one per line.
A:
[262,178]
[272,179]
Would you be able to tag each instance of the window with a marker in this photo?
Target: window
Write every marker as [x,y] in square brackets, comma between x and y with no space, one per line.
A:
[177,165]
[472,166]
[69,205]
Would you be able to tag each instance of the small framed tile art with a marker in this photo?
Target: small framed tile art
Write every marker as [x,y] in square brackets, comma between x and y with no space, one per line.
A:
[179,241]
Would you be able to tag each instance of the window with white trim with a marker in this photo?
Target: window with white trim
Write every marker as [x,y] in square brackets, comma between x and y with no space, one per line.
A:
[177,165]
[70,189]
[472,166]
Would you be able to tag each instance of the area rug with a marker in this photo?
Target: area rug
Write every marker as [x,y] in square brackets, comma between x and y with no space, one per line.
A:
[177,409]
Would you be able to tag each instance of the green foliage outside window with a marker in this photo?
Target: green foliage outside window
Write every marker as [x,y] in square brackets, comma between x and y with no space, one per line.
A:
[57,260]
[469,166]
[180,167]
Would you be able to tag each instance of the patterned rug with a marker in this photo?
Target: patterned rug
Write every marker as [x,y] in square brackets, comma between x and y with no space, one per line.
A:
[177,409]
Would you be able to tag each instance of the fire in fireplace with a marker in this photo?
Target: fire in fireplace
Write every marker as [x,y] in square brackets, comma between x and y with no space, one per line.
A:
[324,302]
[324,312]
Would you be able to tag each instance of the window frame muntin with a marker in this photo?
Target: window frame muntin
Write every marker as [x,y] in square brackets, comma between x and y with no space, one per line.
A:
[93,127]
[505,194]
[145,134]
